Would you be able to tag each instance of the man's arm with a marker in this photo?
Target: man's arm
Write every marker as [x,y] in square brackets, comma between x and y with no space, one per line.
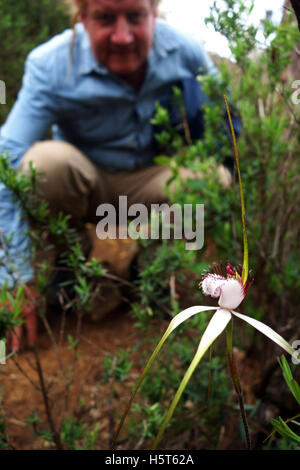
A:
[29,121]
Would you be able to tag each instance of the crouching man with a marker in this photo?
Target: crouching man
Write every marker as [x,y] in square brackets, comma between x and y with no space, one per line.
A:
[95,86]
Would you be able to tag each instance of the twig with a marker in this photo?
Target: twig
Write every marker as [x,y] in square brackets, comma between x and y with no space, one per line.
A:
[25,374]
[173,293]
[50,333]
[63,319]
[55,434]
[239,393]
[236,382]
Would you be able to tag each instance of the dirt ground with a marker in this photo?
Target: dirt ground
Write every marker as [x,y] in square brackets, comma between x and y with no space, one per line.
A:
[88,396]
[20,396]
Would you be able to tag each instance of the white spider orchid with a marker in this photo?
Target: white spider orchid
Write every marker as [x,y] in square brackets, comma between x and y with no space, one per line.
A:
[230,289]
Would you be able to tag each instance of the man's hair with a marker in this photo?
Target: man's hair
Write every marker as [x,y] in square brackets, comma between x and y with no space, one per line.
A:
[78,7]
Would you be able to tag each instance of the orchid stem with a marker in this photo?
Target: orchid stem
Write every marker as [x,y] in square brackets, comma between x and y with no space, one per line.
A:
[209,376]
[237,160]
[236,382]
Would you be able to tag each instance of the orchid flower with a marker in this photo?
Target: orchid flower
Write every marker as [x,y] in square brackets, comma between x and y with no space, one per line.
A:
[230,288]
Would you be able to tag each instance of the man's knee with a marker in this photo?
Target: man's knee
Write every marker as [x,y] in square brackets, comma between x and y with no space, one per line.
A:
[50,157]
[66,179]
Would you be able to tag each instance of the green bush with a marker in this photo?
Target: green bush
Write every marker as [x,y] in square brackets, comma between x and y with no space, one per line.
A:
[269,160]
[25,24]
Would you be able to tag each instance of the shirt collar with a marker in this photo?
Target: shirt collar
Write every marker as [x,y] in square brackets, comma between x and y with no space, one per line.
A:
[164,42]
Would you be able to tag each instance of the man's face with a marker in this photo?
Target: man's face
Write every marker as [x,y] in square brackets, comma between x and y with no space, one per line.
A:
[121,33]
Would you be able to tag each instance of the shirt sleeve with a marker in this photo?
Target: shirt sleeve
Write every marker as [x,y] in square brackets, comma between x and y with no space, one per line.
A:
[29,121]
[197,59]
[205,63]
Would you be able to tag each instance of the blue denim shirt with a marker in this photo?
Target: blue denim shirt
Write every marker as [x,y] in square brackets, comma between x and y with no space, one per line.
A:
[86,105]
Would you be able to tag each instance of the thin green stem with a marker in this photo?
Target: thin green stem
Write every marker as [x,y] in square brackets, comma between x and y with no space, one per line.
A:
[229,339]
[237,160]
[209,376]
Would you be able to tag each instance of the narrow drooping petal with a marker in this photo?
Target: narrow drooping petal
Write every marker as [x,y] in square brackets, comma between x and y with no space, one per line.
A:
[232,294]
[175,322]
[215,327]
[266,330]
[187,313]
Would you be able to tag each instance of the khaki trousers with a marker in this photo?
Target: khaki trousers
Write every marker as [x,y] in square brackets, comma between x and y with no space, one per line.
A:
[76,186]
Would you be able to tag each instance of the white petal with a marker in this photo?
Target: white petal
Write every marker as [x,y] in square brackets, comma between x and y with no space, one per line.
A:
[266,330]
[232,294]
[187,313]
[215,327]
[176,321]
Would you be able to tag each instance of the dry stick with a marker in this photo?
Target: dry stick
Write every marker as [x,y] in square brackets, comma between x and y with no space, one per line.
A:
[55,434]
[61,335]
[111,419]
[78,337]
[91,343]
[236,381]
[173,293]
[80,315]
[238,390]
[63,320]
[25,374]
[50,333]
[68,381]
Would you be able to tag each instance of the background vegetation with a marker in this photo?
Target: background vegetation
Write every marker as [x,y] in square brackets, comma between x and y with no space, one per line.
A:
[260,90]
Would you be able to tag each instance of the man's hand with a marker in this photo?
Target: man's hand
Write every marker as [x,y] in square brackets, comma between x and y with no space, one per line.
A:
[29,314]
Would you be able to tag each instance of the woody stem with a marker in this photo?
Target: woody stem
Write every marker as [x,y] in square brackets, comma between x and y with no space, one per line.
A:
[236,382]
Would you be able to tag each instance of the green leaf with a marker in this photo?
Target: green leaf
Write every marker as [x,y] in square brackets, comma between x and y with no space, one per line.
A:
[288,377]
[175,322]
[162,160]
[215,327]
[284,430]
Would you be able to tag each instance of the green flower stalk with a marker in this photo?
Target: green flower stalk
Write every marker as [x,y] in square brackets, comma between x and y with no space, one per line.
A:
[230,288]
